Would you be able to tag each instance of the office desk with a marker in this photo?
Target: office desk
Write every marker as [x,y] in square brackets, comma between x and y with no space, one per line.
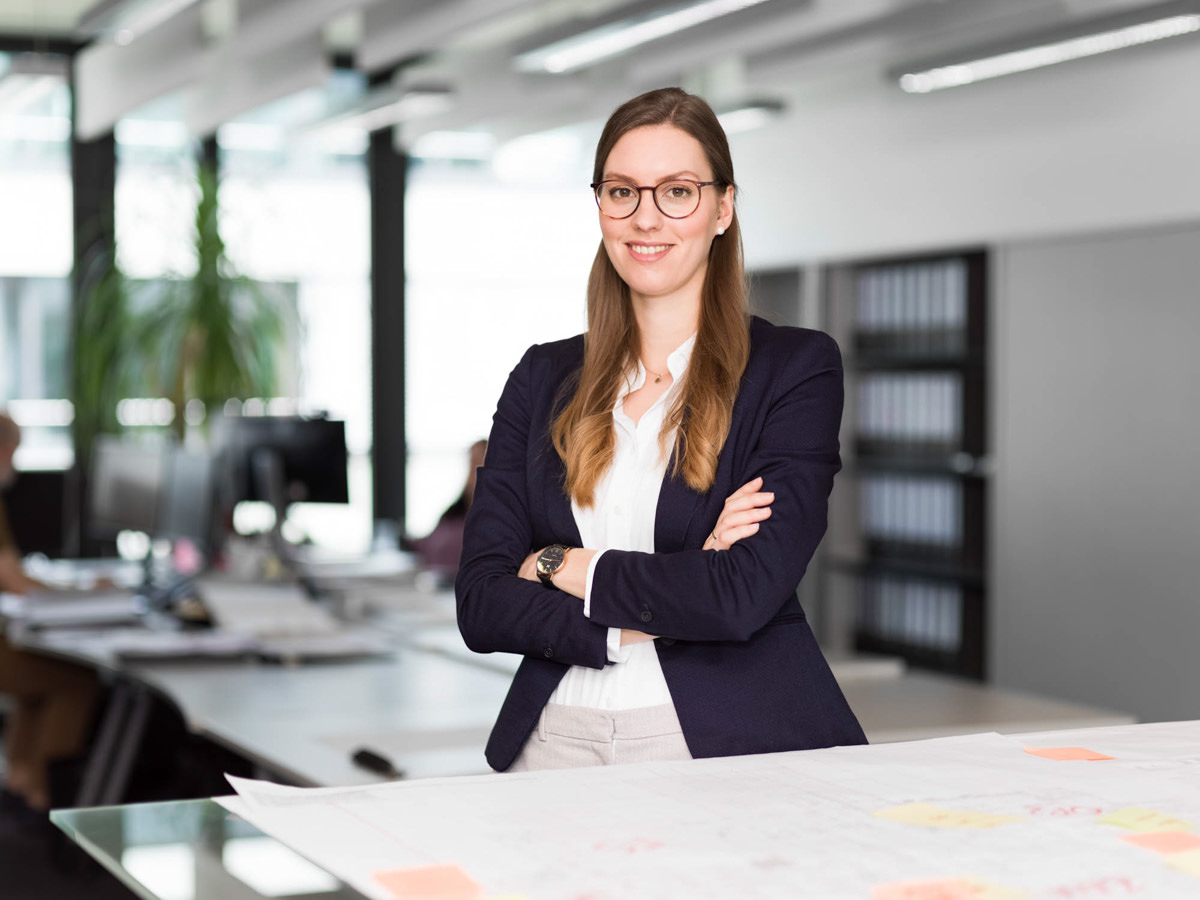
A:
[950,819]
[430,707]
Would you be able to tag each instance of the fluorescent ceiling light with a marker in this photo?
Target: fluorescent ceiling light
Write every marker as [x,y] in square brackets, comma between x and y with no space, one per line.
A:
[460,145]
[124,21]
[749,116]
[1047,54]
[411,104]
[28,78]
[613,40]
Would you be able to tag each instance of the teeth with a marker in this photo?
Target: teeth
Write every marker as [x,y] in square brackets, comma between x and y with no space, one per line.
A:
[649,251]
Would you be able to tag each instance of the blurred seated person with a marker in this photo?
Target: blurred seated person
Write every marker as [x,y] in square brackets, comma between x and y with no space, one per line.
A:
[439,551]
[55,700]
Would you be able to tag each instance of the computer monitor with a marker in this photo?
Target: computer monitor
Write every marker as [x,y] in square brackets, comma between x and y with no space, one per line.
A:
[286,459]
[162,490]
[126,488]
[188,499]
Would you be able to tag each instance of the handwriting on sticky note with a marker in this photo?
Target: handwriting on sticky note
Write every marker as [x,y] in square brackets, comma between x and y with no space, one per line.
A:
[1063,754]
[1188,862]
[944,889]
[930,816]
[441,882]
[1164,841]
[1136,818]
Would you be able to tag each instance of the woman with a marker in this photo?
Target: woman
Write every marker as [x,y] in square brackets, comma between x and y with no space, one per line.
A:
[54,699]
[655,488]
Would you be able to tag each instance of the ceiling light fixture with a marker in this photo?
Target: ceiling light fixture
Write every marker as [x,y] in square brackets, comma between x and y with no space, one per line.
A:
[749,116]
[983,68]
[612,40]
[124,21]
[389,106]
[27,78]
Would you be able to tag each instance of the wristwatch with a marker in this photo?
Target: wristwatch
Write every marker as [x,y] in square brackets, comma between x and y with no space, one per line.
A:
[549,561]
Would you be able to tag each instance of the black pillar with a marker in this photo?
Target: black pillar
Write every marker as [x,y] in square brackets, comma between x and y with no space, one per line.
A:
[209,154]
[94,183]
[388,173]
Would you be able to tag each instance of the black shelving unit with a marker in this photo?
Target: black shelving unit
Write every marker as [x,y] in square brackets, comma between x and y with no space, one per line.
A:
[910,546]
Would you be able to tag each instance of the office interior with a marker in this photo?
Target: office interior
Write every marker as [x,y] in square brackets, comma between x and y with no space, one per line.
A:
[407,185]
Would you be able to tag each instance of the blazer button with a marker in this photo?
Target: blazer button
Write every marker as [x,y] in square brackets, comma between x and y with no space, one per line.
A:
[548,653]
[667,642]
[647,615]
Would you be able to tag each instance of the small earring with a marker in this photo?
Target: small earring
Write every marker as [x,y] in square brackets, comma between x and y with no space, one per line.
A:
[721,230]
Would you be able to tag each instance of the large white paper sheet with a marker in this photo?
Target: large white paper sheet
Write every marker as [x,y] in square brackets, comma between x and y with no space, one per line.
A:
[971,818]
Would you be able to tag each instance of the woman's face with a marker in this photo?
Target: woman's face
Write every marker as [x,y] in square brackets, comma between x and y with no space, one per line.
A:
[660,257]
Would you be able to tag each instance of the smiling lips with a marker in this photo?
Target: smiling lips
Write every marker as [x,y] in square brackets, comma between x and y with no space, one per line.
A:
[648,252]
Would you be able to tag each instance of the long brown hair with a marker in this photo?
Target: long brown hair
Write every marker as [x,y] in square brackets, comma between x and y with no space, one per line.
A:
[583,432]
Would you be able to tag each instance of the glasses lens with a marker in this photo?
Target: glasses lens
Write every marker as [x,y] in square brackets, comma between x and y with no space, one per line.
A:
[616,198]
[677,198]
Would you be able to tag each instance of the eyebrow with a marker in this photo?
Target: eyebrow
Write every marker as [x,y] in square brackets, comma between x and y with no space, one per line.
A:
[684,173]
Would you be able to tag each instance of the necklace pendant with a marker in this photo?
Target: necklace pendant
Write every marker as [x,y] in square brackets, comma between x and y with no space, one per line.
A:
[658,379]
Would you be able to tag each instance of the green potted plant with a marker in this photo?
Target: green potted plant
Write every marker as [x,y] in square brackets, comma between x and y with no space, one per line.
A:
[215,336]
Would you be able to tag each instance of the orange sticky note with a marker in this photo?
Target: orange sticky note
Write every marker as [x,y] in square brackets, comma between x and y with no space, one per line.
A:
[943,889]
[1065,753]
[1137,819]
[442,882]
[930,816]
[1164,841]
[1187,862]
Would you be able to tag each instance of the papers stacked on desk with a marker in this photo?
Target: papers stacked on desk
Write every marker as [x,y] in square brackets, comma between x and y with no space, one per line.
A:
[71,608]
[283,622]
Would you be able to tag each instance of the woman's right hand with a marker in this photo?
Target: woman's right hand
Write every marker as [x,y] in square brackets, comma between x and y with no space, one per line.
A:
[744,509]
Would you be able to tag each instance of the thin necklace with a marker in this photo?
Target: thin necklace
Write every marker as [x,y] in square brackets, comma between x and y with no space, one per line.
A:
[657,377]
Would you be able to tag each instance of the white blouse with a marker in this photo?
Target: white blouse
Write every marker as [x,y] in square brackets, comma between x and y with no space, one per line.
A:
[622,518]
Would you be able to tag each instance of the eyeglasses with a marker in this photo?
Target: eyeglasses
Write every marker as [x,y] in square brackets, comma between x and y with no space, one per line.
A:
[675,199]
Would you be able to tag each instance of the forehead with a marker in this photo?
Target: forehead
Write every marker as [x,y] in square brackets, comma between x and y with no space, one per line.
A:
[651,152]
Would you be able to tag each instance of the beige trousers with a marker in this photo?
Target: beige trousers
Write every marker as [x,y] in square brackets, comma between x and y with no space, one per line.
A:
[574,736]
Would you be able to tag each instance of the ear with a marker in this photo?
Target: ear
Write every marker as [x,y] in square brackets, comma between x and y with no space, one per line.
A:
[725,208]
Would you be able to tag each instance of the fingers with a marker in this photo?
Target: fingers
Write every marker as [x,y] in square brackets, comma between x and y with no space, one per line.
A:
[743,517]
[748,488]
[748,501]
[733,527]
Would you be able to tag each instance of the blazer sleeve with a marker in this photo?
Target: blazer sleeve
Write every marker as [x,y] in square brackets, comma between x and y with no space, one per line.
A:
[497,609]
[705,595]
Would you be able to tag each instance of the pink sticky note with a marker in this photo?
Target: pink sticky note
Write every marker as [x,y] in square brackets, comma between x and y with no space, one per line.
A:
[1164,841]
[937,889]
[1065,753]
[442,882]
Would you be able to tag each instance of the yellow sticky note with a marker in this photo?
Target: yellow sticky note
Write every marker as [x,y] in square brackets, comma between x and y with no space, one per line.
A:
[1187,862]
[943,889]
[1164,841]
[1062,754]
[441,882]
[930,816]
[1137,819]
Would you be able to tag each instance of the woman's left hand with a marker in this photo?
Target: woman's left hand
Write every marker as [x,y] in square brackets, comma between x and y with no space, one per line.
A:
[528,569]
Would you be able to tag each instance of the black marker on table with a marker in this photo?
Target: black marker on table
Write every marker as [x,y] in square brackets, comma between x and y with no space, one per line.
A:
[375,762]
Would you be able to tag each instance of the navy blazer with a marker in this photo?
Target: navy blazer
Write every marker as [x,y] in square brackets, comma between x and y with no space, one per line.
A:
[741,663]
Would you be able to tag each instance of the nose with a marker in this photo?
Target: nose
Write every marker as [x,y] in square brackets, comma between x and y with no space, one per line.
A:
[647,217]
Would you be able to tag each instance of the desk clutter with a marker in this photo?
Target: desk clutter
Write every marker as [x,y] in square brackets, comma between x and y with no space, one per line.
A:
[1106,812]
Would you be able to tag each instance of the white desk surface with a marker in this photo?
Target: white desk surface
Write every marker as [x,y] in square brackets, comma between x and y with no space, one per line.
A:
[430,707]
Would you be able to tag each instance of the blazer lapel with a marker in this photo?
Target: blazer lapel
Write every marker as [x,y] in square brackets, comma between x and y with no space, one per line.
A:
[558,504]
[676,506]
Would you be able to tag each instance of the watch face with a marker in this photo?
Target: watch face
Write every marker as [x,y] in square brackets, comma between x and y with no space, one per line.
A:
[550,559]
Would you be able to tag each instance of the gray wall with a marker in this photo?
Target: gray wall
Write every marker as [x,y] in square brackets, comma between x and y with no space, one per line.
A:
[1096,503]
